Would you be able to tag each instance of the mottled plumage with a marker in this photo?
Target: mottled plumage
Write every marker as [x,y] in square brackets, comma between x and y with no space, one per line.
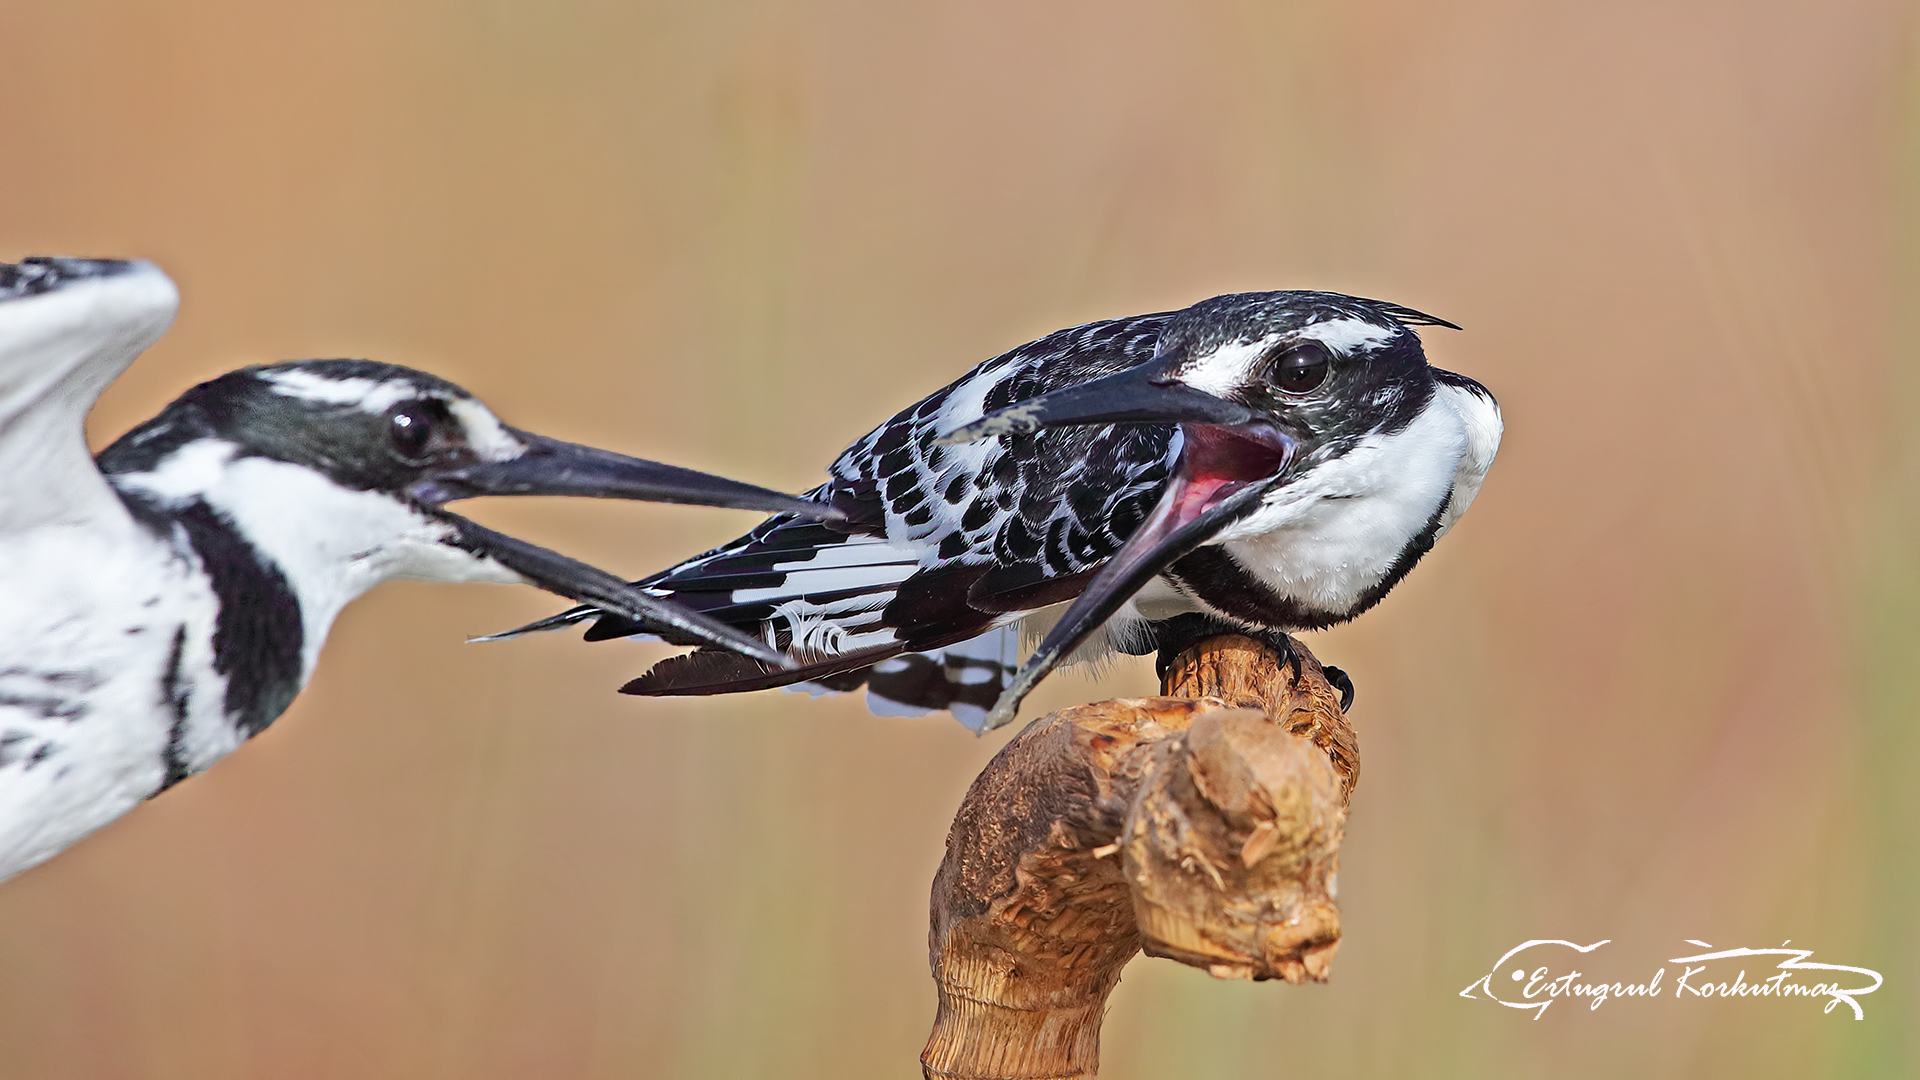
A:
[948,544]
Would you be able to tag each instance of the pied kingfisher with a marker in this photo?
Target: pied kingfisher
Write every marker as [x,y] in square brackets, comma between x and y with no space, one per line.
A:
[165,602]
[1264,461]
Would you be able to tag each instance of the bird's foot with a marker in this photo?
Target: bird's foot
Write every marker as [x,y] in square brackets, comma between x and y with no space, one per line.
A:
[1179,633]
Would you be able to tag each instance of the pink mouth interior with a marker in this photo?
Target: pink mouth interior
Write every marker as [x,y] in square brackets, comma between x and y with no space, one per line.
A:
[1214,462]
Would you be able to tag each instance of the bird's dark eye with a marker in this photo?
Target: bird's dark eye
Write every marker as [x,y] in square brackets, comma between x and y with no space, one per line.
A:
[1302,368]
[411,429]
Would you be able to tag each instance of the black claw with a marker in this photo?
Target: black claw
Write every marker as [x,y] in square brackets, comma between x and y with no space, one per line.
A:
[1293,658]
[1283,644]
[1340,681]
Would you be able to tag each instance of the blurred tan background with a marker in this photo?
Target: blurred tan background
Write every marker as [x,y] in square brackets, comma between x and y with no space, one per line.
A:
[1660,684]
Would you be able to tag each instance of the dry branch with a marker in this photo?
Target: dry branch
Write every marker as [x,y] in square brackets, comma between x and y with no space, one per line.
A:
[1204,827]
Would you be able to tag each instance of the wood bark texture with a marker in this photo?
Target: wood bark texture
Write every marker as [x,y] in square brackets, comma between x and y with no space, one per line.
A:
[1203,826]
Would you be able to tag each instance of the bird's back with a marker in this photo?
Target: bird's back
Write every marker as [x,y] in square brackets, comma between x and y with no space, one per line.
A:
[946,544]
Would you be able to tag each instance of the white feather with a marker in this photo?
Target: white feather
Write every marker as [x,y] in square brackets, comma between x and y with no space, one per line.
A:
[1330,536]
[58,351]
[1481,416]
[1224,370]
[1345,336]
[367,395]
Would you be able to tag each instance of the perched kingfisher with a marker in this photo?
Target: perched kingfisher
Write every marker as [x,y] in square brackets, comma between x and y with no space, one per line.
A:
[1267,462]
[165,602]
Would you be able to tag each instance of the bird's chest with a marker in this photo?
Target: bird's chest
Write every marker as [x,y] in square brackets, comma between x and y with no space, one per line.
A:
[107,684]
[1327,542]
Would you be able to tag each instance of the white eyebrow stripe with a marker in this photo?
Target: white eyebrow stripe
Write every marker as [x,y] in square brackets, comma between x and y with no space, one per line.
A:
[485,433]
[1346,335]
[1224,369]
[1227,368]
[367,394]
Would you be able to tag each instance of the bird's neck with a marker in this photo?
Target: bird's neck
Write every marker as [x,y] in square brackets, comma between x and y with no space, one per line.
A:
[327,543]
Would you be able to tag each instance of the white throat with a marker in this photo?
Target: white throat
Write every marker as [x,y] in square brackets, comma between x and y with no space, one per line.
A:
[1333,534]
[332,543]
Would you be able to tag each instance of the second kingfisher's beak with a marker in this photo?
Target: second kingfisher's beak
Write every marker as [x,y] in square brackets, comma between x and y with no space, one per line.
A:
[1138,395]
[552,467]
[586,584]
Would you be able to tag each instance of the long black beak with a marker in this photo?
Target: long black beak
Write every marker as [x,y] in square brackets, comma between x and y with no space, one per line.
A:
[552,467]
[575,580]
[1184,519]
[1230,457]
[1142,394]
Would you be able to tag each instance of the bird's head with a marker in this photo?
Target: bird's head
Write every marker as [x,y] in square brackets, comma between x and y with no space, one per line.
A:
[1319,370]
[1264,387]
[339,470]
[1260,381]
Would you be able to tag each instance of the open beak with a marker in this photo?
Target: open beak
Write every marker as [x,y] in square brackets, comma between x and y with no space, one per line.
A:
[1230,456]
[552,467]
[577,581]
[1189,513]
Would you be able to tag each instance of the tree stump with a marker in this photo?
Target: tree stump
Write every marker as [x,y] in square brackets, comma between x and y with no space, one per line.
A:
[1203,826]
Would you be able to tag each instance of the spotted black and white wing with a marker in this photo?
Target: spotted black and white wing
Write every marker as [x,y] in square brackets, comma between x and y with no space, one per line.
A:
[68,327]
[949,544]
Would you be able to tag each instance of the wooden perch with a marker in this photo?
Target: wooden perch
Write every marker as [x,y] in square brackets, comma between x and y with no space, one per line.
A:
[1203,826]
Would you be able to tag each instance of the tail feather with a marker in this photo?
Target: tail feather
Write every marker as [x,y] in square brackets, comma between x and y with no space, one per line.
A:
[854,610]
[964,678]
[715,671]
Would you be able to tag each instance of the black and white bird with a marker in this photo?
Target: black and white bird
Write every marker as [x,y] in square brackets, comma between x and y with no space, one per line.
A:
[166,602]
[1270,461]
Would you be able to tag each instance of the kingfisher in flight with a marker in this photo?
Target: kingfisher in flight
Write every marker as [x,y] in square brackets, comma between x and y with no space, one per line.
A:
[1263,463]
[163,603]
